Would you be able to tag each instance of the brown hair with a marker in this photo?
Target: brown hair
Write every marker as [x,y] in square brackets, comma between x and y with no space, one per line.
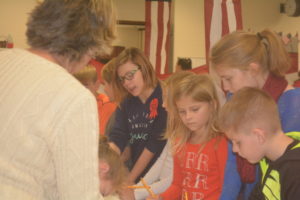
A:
[201,88]
[137,57]
[117,170]
[72,28]
[239,49]
[86,75]
[184,63]
[249,108]
[108,71]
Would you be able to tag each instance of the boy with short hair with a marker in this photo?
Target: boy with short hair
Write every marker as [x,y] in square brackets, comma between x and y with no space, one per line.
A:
[110,106]
[88,77]
[251,121]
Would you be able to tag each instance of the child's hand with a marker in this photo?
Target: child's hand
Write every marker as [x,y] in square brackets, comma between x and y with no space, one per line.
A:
[126,194]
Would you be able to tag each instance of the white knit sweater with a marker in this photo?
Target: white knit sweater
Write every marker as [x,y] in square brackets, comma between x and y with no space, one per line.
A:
[48,131]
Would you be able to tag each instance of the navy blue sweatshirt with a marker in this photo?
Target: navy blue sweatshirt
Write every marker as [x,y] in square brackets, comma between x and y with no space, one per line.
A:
[140,126]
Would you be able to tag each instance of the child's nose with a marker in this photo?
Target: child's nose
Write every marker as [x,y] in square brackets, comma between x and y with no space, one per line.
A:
[188,115]
[226,86]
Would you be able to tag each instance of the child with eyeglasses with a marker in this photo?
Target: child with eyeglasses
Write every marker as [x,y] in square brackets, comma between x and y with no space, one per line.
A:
[140,118]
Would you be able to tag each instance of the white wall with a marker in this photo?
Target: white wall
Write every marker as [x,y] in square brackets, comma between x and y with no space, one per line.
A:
[189,33]
[260,14]
[14,15]
[129,36]
[13,18]
[188,22]
[133,10]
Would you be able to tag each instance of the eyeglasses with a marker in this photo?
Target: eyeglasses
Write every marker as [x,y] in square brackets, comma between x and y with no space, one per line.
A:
[129,75]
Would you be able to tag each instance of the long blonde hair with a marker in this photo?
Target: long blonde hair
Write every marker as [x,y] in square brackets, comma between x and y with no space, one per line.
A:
[168,86]
[239,49]
[201,88]
[117,170]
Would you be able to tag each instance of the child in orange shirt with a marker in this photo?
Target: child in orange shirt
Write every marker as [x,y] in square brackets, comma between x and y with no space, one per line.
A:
[201,153]
[88,77]
[108,105]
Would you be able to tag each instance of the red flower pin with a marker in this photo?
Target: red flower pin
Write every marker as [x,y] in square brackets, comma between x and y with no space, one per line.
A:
[153,108]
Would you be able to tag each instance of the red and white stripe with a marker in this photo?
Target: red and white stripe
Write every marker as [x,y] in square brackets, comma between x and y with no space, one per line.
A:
[157,34]
[221,17]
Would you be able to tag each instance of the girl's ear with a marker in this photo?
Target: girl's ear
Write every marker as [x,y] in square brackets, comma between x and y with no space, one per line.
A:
[260,135]
[214,104]
[103,167]
[254,68]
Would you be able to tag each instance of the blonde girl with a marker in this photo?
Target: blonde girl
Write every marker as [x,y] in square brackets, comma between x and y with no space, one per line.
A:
[259,60]
[112,171]
[200,152]
[160,176]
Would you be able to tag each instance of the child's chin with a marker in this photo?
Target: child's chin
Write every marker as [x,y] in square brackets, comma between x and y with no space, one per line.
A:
[134,93]
[252,161]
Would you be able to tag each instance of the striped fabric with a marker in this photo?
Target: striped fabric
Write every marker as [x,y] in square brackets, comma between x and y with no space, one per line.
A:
[157,34]
[221,18]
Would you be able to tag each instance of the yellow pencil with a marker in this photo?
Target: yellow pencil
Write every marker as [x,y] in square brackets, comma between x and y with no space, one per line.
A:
[145,185]
[148,188]
[186,196]
[135,186]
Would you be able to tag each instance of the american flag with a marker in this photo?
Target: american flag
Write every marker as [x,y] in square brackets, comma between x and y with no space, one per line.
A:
[221,17]
[157,34]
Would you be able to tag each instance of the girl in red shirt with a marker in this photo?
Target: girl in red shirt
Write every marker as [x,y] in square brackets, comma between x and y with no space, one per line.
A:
[200,152]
